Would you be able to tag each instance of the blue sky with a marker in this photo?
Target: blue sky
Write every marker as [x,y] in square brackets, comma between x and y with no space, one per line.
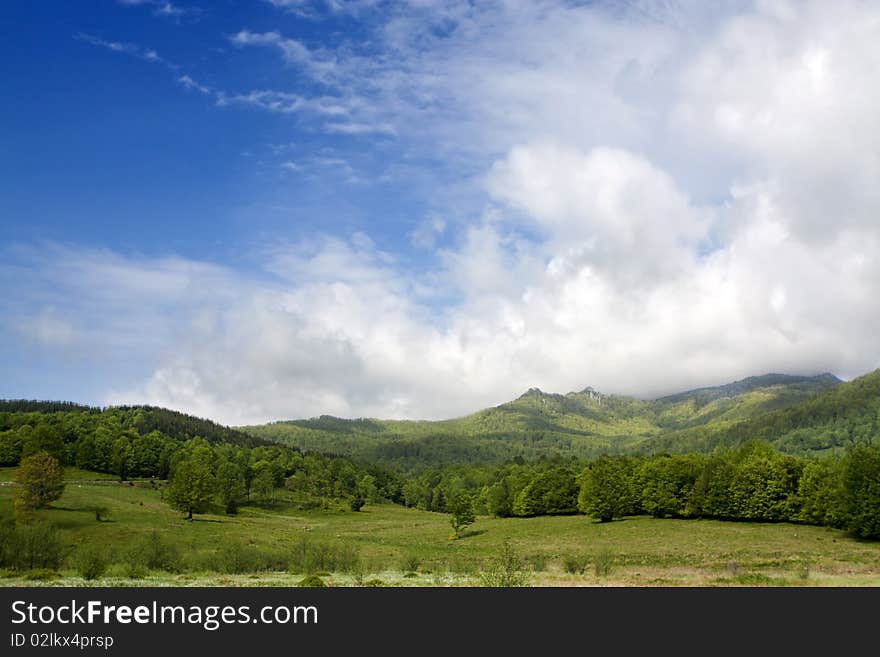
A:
[265,209]
[135,161]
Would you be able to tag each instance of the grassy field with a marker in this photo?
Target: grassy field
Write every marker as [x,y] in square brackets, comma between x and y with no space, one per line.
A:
[407,547]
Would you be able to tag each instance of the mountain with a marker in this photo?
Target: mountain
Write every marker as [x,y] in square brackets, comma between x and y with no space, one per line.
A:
[809,383]
[582,424]
[845,414]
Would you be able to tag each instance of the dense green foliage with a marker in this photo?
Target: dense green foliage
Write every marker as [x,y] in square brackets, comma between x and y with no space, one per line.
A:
[131,441]
[750,482]
[461,510]
[224,465]
[39,480]
[608,490]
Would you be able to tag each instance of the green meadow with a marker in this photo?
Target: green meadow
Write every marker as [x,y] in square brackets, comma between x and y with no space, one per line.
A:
[387,544]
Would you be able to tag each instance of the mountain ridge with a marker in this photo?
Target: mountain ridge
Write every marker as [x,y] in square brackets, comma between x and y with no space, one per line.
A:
[537,423]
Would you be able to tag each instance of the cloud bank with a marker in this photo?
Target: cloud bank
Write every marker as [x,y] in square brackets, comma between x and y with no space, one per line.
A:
[669,196]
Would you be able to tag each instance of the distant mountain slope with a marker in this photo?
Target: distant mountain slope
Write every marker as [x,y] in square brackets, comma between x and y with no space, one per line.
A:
[845,414]
[585,423]
[811,383]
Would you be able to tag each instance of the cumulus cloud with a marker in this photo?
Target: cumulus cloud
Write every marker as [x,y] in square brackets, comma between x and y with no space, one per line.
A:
[671,196]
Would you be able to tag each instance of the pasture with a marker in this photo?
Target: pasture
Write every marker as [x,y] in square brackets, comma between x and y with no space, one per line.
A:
[409,547]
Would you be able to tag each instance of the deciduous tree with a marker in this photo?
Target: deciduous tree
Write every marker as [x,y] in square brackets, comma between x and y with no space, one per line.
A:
[39,481]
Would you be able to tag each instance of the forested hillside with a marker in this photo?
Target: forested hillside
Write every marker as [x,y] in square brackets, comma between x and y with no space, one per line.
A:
[134,442]
[846,415]
[581,424]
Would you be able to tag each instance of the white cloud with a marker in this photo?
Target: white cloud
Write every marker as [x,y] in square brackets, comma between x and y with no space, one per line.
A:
[608,207]
[189,83]
[355,128]
[320,65]
[164,9]
[673,195]
[282,102]
[132,49]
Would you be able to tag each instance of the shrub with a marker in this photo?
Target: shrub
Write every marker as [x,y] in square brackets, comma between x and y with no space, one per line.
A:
[410,563]
[758,579]
[539,562]
[309,557]
[42,575]
[31,547]
[505,570]
[134,570]
[91,561]
[358,573]
[803,569]
[575,564]
[8,544]
[101,512]
[154,553]
[604,562]
[312,581]
[375,582]
[235,558]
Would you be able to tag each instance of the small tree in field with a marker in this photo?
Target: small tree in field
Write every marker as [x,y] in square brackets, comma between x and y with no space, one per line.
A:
[461,507]
[191,487]
[40,480]
[507,569]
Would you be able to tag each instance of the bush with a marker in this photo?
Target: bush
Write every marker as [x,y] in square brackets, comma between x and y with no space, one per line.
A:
[803,569]
[309,557]
[152,552]
[8,544]
[603,564]
[31,547]
[91,561]
[235,558]
[575,564]
[101,512]
[134,570]
[410,563]
[375,582]
[312,581]
[505,570]
[539,562]
[42,575]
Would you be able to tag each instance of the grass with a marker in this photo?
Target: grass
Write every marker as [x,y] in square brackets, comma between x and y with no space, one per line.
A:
[389,539]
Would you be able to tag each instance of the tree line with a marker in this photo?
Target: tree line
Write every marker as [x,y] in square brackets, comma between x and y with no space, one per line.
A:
[751,482]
